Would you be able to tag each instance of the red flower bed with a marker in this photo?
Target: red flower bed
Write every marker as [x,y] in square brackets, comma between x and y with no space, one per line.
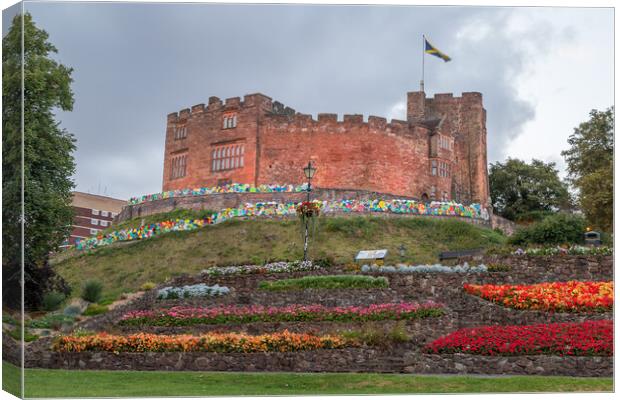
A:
[590,338]
[570,296]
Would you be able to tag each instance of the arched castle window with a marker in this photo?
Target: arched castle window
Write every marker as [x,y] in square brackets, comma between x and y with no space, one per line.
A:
[180,132]
[179,166]
[227,157]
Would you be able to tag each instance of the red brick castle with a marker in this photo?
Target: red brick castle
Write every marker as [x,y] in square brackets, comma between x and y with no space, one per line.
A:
[439,153]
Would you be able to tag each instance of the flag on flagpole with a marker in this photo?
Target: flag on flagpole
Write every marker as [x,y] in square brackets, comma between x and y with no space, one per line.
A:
[430,49]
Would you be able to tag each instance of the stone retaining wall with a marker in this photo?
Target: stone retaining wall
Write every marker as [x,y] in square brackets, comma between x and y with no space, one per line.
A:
[400,359]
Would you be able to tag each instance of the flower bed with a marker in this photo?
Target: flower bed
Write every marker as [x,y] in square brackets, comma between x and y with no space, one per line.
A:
[397,206]
[590,338]
[554,251]
[199,290]
[411,269]
[230,188]
[212,342]
[182,316]
[326,282]
[569,296]
[276,267]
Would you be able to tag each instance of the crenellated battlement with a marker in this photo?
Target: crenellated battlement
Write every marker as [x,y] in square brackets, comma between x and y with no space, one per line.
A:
[438,152]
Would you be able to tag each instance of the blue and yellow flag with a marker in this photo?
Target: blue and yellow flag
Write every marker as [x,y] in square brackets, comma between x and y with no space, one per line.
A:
[430,49]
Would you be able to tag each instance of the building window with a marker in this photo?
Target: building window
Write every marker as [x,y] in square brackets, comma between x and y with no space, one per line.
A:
[433,167]
[230,121]
[94,221]
[104,213]
[227,157]
[95,212]
[444,169]
[94,231]
[113,214]
[180,132]
[179,166]
[104,223]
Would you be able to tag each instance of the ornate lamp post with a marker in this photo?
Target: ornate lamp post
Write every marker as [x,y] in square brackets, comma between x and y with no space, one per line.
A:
[309,172]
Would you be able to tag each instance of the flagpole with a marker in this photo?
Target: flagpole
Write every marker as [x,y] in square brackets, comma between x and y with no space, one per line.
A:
[422,81]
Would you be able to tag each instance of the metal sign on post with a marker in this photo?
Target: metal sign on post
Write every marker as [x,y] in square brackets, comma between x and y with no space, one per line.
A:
[371,255]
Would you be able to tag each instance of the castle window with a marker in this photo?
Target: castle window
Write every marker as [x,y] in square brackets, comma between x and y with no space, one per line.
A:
[179,166]
[227,157]
[230,121]
[433,167]
[444,169]
[180,132]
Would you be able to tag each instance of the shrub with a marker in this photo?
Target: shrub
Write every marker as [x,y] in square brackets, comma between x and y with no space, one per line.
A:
[50,321]
[375,335]
[92,291]
[52,301]
[72,311]
[95,309]
[16,334]
[325,262]
[560,228]
[148,286]
[326,282]
[493,267]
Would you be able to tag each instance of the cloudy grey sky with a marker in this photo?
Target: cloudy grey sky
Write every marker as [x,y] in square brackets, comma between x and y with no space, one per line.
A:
[541,70]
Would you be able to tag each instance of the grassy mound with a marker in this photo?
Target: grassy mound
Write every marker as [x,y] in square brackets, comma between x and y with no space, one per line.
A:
[124,267]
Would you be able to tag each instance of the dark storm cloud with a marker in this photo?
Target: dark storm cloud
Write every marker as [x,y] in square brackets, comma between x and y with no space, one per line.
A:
[135,63]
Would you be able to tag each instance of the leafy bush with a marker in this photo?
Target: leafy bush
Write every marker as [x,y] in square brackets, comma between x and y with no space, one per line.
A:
[559,228]
[326,282]
[52,301]
[72,311]
[92,291]
[50,321]
[16,334]
[148,286]
[493,267]
[376,335]
[325,262]
[95,309]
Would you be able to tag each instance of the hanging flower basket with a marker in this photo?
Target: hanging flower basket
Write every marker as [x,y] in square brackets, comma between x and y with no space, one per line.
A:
[308,209]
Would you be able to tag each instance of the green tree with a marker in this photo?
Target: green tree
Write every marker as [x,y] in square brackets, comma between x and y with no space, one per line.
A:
[522,191]
[589,162]
[47,160]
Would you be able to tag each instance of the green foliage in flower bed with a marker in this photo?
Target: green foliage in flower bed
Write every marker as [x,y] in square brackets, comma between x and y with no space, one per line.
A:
[326,282]
[16,334]
[494,267]
[95,309]
[50,321]
[551,251]
[375,335]
[186,316]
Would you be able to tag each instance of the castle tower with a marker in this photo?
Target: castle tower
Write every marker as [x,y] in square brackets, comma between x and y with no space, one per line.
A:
[463,118]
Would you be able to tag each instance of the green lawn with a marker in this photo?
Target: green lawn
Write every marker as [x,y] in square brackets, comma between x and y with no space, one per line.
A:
[63,383]
[124,267]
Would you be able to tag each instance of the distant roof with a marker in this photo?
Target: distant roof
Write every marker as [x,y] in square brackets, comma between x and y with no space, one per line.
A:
[97,202]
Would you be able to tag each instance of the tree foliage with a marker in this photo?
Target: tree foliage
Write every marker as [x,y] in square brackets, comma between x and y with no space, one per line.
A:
[522,191]
[47,159]
[590,167]
[558,228]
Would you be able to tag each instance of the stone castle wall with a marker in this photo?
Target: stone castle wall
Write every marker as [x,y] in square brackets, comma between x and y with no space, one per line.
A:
[377,155]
